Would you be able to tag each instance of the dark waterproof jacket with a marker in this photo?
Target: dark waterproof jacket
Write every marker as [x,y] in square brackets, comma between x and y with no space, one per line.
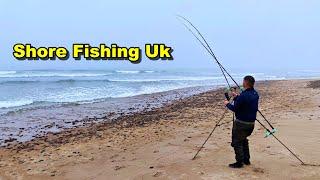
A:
[245,105]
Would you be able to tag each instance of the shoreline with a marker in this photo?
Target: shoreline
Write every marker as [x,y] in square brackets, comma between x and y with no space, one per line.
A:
[147,103]
[37,121]
[106,110]
[160,143]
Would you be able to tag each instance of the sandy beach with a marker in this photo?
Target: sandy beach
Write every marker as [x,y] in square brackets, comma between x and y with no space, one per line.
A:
[160,143]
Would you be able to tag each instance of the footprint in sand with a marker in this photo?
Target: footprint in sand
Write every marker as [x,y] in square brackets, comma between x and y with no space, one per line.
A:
[114,156]
[116,168]
[157,174]
[258,170]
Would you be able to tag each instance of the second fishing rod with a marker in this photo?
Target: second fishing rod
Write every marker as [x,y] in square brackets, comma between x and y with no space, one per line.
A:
[223,70]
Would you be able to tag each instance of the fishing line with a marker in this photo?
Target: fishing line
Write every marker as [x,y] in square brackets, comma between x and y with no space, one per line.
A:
[210,51]
[208,48]
[223,70]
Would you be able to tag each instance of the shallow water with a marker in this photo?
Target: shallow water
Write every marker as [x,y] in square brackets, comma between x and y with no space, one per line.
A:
[28,123]
[33,103]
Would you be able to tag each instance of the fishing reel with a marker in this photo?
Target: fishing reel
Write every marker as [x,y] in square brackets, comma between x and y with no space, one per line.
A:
[229,90]
[233,89]
[268,133]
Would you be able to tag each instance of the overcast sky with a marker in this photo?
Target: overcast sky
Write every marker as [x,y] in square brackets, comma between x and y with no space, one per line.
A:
[245,34]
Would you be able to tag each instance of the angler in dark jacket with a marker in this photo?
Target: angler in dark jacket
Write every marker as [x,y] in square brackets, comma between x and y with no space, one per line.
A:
[245,107]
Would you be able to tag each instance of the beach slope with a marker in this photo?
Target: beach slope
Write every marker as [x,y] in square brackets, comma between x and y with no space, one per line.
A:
[160,144]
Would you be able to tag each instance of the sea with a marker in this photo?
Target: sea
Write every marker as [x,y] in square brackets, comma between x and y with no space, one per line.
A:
[35,102]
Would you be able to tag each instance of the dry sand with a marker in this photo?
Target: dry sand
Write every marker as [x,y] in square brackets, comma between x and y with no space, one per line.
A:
[160,144]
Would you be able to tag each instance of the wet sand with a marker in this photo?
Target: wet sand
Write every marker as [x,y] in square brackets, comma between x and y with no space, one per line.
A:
[20,125]
[159,143]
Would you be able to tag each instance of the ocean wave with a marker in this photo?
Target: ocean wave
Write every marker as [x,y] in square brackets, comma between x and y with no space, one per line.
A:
[31,105]
[8,104]
[27,81]
[127,72]
[18,82]
[168,79]
[80,80]
[7,72]
[50,74]
[30,74]
[133,71]
[149,71]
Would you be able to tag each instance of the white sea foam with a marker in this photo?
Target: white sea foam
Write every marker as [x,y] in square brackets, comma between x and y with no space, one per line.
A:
[168,79]
[19,88]
[7,72]
[7,104]
[50,74]
[149,71]
[127,72]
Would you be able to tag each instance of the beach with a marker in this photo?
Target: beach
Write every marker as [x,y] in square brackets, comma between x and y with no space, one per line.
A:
[159,142]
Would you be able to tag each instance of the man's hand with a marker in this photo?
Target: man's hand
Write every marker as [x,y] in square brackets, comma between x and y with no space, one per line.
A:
[226,102]
[234,94]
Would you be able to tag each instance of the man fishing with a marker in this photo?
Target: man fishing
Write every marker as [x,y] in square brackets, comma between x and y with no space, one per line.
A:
[245,107]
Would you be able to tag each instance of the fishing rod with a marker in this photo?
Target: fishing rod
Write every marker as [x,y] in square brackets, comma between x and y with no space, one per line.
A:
[208,48]
[214,128]
[272,134]
[218,124]
[206,45]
